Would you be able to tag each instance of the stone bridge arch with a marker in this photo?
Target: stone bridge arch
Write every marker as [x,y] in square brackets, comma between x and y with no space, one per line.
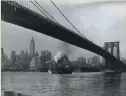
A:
[111,46]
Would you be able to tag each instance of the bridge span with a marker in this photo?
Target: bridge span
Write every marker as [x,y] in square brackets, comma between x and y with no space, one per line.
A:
[16,14]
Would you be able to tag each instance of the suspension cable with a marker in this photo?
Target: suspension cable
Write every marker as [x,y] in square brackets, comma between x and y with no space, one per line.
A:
[67,19]
[46,11]
[40,10]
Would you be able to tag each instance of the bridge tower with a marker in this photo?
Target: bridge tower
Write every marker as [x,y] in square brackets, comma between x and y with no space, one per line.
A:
[113,48]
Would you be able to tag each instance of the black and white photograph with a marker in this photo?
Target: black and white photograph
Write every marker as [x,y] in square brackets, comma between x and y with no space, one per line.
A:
[63,47]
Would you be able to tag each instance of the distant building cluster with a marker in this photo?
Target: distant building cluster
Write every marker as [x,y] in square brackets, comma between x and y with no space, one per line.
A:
[87,63]
[25,61]
[95,60]
[39,62]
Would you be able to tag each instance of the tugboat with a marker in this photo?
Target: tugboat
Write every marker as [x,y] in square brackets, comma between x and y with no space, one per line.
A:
[60,66]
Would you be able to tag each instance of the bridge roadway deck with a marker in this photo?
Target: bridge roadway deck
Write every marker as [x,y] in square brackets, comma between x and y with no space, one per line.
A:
[27,18]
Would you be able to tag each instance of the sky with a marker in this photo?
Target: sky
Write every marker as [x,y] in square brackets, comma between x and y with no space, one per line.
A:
[98,20]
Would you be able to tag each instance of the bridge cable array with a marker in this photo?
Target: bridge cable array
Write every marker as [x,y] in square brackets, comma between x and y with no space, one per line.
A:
[39,9]
[46,12]
[67,19]
[53,17]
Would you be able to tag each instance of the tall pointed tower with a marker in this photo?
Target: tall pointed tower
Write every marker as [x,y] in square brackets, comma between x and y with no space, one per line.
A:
[32,48]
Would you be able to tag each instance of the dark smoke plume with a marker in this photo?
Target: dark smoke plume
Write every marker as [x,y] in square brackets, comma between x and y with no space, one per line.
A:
[64,49]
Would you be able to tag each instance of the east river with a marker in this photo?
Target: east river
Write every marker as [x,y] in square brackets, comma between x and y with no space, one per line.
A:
[76,84]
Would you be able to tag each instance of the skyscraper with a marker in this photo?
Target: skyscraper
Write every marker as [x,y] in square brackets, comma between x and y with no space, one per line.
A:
[95,60]
[2,54]
[48,55]
[45,56]
[22,54]
[32,48]
[89,61]
[5,58]
[36,54]
[26,61]
[81,61]
[13,57]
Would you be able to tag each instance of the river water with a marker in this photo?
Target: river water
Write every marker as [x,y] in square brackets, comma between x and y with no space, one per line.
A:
[76,84]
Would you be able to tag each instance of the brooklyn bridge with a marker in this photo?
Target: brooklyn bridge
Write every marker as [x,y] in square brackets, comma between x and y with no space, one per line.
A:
[13,12]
